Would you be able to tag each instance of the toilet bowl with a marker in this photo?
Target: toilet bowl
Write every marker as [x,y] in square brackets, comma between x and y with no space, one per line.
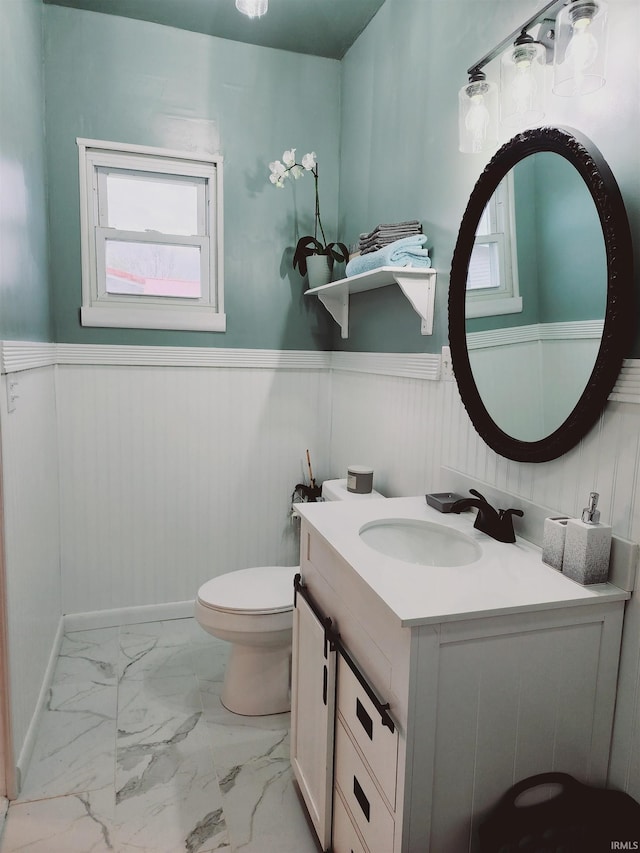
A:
[253,610]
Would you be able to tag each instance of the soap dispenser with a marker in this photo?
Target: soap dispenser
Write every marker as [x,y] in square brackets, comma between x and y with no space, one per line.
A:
[587,546]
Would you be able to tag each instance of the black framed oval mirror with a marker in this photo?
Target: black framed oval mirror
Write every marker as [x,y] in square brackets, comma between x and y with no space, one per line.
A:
[541,297]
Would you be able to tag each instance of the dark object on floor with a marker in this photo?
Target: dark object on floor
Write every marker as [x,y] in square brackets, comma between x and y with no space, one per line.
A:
[578,819]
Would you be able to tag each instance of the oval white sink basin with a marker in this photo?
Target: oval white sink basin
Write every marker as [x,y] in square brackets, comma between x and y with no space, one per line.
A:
[422,542]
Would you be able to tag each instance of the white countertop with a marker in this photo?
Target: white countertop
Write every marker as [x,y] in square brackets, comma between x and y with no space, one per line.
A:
[508,578]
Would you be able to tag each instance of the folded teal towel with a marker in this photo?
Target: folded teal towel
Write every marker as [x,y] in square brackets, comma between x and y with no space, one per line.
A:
[407,252]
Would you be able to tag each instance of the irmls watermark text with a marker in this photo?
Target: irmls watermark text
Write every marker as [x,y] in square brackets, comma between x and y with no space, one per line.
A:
[625,845]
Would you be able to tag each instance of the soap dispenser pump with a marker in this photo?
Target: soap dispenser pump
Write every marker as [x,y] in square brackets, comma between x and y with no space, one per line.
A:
[587,546]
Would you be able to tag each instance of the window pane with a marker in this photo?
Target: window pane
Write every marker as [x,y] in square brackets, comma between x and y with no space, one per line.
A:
[484,267]
[485,225]
[152,269]
[137,203]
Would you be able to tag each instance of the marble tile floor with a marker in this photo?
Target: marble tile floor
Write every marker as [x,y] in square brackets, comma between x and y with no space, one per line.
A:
[136,754]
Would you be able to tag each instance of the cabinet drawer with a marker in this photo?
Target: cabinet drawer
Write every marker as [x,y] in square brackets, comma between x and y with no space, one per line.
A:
[363,800]
[378,744]
[345,838]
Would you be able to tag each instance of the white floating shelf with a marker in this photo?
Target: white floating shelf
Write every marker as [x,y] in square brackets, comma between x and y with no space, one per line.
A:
[417,283]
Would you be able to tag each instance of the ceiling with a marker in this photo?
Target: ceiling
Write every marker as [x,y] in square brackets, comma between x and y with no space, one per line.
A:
[318,27]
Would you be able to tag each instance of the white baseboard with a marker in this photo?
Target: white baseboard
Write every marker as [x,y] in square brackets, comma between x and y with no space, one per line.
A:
[128,615]
[26,752]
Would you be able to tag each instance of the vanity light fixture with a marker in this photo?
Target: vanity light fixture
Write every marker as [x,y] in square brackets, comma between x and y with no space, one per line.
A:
[252,8]
[522,83]
[477,114]
[573,32]
[580,48]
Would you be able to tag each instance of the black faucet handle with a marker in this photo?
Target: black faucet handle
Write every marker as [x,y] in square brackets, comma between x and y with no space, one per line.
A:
[477,494]
[505,513]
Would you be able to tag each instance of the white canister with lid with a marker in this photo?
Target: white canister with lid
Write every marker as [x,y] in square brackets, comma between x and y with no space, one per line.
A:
[359,479]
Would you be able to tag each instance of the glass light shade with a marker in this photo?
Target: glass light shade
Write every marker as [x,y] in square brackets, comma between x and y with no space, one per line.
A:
[580,48]
[522,85]
[252,8]
[478,115]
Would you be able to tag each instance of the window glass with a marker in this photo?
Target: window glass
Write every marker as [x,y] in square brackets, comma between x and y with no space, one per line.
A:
[484,267]
[151,203]
[152,269]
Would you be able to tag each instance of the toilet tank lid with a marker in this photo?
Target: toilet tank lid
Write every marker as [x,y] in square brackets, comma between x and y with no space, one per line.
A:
[336,490]
[261,589]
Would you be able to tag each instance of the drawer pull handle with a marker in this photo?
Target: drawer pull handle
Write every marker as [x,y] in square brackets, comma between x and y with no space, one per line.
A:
[325,680]
[365,719]
[363,802]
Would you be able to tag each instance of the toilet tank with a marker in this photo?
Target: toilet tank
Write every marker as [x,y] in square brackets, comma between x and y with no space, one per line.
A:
[336,490]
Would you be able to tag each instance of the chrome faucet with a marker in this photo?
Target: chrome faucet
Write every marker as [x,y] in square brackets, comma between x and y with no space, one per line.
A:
[495,523]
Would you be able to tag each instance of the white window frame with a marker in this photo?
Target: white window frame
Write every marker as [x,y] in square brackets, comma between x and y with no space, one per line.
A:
[505,297]
[126,310]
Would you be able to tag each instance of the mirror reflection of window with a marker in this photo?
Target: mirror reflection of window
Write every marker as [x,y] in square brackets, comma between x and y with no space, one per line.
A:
[492,280]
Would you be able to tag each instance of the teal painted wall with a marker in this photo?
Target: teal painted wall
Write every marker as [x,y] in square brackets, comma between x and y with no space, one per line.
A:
[573,261]
[386,118]
[24,287]
[123,80]
[562,263]
[399,148]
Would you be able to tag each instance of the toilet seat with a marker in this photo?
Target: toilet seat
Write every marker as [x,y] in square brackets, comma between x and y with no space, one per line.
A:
[258,590]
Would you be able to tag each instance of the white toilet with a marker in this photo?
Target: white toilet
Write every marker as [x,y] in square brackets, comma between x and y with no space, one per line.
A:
[253,610]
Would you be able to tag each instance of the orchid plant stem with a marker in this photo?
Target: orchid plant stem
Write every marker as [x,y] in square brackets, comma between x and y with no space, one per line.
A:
[318,222]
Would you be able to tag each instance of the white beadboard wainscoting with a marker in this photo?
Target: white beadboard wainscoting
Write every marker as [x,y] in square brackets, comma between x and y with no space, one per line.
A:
[530,356]
[176,465]
[32,545]
[170,476]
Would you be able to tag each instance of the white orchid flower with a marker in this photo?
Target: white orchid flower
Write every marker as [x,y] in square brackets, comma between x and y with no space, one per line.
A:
[278,172]
[289,157]
[296,171]
[309,161]
[277,168]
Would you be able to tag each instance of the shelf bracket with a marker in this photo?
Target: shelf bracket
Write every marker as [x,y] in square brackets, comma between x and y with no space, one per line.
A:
[337,304]
[417,284]
[421,294]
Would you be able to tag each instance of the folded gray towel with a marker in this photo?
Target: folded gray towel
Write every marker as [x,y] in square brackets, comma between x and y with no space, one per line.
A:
[382,232]
[411,226]
[380,240]
[387,237]
[410,223]
[386,233]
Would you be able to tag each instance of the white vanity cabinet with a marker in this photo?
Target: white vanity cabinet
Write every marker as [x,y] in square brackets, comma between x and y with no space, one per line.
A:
[366,762]
[475,703]
[313,679]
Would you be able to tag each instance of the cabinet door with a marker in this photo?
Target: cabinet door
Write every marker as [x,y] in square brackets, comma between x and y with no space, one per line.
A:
[313,680]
